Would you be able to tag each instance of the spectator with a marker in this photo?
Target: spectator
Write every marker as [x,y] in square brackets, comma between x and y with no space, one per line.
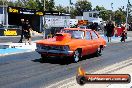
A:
[27,33]
[22,32]
[123,26]
[109,30]
[123,36]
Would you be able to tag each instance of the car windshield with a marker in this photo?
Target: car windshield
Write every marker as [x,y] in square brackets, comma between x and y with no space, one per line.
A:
[76,34]
[83,27]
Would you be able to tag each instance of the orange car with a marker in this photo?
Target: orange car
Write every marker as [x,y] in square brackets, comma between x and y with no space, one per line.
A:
[73,42]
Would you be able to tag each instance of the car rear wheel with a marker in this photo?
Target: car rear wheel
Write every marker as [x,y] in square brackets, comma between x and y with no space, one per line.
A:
[76,56]
[98,52]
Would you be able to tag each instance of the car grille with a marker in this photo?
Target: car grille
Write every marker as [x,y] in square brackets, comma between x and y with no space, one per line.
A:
[51,47]
[46,47]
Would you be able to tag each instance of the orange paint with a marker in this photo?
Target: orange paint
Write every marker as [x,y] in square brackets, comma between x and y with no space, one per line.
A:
[65,39]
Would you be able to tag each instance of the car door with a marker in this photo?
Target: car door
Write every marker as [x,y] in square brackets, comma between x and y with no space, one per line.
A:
[95,41]
[88,45]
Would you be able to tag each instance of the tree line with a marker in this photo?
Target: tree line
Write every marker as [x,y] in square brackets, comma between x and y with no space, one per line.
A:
[76,9]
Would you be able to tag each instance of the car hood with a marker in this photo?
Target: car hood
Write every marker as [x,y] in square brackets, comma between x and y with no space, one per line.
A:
[59,39]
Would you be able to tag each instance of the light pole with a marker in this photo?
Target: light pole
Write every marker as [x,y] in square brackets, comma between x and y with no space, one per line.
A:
[111,12]
[127,15]
[69,6]
[44,21]
[3,12]
[112,6]
[70,3]
[44,5]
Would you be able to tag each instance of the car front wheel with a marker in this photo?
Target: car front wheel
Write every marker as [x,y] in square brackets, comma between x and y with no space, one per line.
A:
[76,56]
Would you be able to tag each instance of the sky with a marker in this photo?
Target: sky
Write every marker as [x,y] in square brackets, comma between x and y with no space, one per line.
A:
[105,3]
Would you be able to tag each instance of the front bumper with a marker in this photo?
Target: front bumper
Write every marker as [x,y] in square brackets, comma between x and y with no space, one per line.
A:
[54,52]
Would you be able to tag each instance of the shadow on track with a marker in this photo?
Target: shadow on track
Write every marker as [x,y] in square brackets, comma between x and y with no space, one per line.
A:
[54,60]
[61,61]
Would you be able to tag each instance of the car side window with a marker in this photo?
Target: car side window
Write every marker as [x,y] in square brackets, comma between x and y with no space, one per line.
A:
[88,35]
[94,35]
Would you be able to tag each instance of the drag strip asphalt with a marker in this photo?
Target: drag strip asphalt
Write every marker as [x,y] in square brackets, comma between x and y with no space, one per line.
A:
[25,70]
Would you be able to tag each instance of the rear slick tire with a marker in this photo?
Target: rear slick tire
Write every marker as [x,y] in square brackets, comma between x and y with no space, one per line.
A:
[98,52]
